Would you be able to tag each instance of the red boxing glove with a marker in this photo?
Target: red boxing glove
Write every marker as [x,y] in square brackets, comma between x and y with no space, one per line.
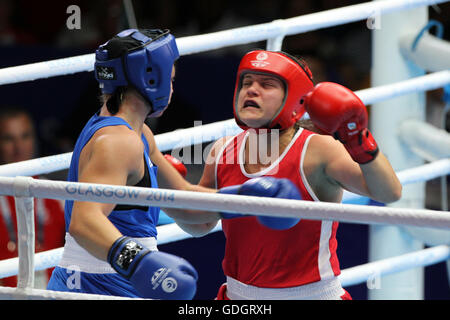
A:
[337,111]
[177,164]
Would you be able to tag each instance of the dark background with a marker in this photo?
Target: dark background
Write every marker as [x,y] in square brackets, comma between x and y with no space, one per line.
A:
[35,31]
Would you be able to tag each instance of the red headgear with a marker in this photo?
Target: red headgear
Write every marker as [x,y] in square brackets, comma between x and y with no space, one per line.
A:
[296,76]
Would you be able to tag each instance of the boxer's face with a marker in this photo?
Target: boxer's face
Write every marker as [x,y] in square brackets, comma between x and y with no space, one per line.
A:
[17,140]
[259,99]
[172,79]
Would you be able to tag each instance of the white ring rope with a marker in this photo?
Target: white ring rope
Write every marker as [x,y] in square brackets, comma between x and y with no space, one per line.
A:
[297,25]
[42,260]
[430,81]
[372,270]
[48,259]
[221,39]
[349,277]
[7,293]
[412,175]
[227,203]
[421,173]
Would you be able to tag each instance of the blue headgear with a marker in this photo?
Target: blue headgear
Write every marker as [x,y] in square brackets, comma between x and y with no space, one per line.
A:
[146,67]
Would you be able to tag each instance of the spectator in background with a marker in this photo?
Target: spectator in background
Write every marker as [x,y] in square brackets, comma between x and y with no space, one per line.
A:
[18,143]
[11,33]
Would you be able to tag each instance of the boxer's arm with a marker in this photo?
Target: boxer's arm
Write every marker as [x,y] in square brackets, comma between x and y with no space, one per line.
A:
[355,163]
[375,179]
[382,181]
[207,180]
[170,178]
[196,230]
[89,223]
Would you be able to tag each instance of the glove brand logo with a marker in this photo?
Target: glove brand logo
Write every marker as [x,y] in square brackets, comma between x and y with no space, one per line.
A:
[265,184]
[169,285]
[160,276]
[259,62]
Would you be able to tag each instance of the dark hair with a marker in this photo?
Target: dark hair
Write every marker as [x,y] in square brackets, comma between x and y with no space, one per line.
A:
[308,125]
[13,111]
[113,101]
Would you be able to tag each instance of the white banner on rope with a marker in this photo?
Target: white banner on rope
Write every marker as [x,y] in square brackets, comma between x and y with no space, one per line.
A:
[226,203]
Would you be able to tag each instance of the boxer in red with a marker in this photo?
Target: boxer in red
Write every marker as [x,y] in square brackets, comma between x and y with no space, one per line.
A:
[266,260]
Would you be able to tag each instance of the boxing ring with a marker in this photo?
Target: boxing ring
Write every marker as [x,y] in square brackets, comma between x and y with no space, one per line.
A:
[15,178]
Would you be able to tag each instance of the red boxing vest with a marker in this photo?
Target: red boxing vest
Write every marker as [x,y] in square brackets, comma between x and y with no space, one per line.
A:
[262,257]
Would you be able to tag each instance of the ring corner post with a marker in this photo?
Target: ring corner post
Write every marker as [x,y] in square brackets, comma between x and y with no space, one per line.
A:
[389,66]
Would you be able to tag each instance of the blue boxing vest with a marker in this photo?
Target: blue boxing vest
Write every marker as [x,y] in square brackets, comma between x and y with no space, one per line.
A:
[91,274]
[133,222]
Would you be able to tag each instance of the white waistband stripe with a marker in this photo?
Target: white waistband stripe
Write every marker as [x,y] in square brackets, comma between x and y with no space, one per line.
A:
[330,289]
[77,258]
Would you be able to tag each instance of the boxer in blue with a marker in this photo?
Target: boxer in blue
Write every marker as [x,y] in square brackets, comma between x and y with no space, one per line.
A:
[111,249]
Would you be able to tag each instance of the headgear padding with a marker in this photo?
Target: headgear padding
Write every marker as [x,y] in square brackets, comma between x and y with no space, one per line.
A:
[141,59]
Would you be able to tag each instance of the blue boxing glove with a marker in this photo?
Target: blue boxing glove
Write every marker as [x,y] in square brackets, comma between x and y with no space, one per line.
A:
[154,274]
[266,187]
[231,190]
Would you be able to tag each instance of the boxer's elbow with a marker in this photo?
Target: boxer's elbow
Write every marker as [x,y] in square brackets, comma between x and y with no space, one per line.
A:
[197,230]
[394,194]
[397,193]
[77,230]
[74,229]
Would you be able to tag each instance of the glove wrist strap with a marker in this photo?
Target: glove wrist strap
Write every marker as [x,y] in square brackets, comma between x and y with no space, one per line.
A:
[124,255]
[362,147]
